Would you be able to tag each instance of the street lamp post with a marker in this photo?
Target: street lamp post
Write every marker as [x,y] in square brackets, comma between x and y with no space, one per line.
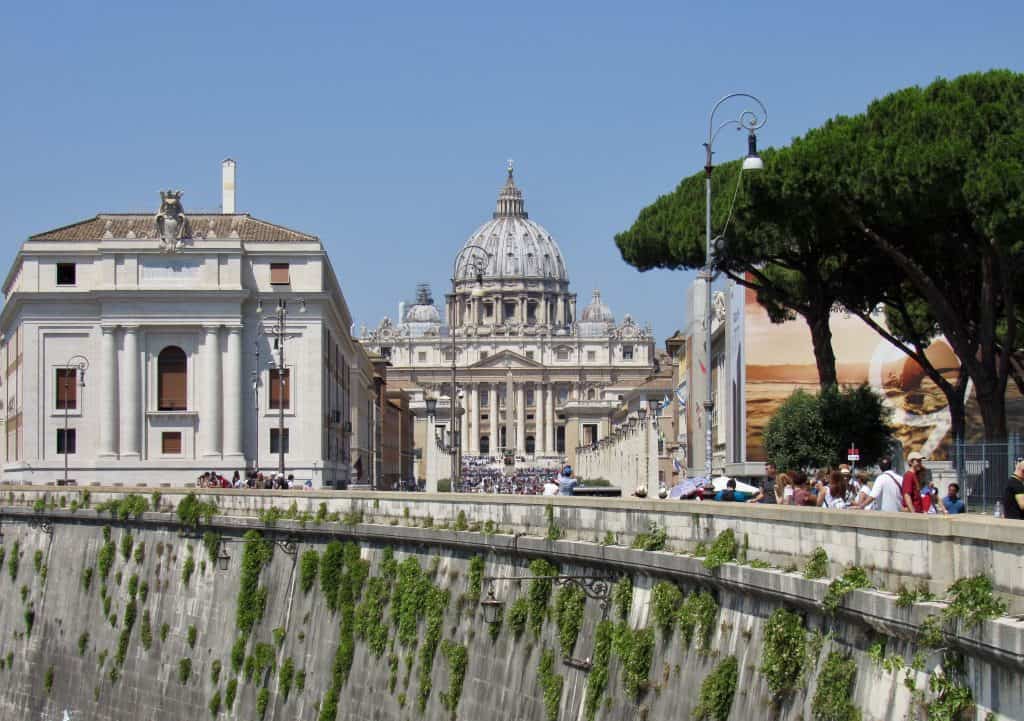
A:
[477,260]
[256,406]
[81,364]
[279,317]
[749,121]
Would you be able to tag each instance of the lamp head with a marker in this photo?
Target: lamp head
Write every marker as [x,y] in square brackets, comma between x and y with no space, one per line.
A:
[753,160]
[302,305]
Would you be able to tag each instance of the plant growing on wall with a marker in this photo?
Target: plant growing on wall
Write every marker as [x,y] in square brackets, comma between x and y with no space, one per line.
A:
[12,562]
[191,511]
[723,550]
[666,600]
[540,592]
[308,567]
[622,597]
[717,691]
[597,680]
[48,680]
[105,558]
[569,604]
[286,678]
[550,683]
[697,618]
[252,599]
[184,670]
[518,615]
[262,700]
[835,687]
[653,539]
[853,578]
[475,580]
[636,649]
[437,601]
[458,660]
[784,652]
[229,693]
[817,564]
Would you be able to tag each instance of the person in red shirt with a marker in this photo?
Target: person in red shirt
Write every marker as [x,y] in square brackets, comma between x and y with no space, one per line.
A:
[911,489]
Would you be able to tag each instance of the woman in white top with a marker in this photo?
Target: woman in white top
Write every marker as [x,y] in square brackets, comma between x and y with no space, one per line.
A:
[834,496]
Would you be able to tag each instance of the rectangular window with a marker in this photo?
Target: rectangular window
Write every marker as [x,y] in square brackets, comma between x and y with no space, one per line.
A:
[483,354]
[563,354]
[591,355]
[279,390]
[170,443]
[627,352]
[66,391]
[274,448]
[65,273]
[529,355]
[529,398]
[69,439]
[279,274]
[422,356]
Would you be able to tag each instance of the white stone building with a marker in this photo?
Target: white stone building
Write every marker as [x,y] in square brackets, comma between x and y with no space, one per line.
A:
[535,380]
[169,312]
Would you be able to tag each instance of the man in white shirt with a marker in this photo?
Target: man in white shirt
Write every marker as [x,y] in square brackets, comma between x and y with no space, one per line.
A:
[551,488]
[885,493]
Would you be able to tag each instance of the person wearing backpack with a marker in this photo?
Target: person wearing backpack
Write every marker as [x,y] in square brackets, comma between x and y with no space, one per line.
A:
[886,492]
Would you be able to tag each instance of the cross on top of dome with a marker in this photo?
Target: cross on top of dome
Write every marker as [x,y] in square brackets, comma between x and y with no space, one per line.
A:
[510,198]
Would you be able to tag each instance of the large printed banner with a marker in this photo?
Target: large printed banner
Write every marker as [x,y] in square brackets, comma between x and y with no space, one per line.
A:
[780,359]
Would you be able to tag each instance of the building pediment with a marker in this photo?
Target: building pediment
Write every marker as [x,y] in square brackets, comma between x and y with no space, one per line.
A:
[507,359]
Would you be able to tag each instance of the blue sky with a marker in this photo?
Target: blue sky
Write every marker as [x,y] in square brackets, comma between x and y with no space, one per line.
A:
[384,127]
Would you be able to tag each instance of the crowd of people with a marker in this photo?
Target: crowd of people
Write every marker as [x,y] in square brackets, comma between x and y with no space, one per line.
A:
[252,479]
[482,477]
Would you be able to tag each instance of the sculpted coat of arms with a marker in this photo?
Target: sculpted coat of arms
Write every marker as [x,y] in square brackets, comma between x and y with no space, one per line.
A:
[172,225]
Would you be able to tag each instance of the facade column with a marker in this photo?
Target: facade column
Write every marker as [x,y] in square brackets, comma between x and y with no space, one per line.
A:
[499,310]
[521,419]
[474,409]
[233,416]
[131,390]
[463,423]
[108,387]
[509,407]
[560,311]
[522,310]
[549,418]
[493,411]
[210,417]
[538,419]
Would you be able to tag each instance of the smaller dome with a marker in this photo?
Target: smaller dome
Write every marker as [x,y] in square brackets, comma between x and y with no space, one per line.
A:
[597,312]
[422,314]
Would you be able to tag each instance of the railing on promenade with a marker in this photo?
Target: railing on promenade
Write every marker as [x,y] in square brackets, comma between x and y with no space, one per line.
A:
[982,469]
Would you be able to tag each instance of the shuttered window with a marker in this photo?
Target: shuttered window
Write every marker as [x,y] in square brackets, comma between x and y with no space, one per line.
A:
[277,392]
[279,274]
[170,443]
[69,439]
[67,388]
[274,447]
[172,379]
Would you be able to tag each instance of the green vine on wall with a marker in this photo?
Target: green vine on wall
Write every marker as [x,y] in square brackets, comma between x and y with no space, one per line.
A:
[476,575]
[369,618]
[105,558]
[597,680]
[622,597]
[518,615]
[654,538]
[191,511]
[308,567]
[784,652]
[835,687]
[853,578]
[458,660]
[437,601]
[252,599]
[539,593]
[697,618]
[569,604]
[722,551]
[717,691]
[636,650]
[666,601]
[817,564]
[550,683]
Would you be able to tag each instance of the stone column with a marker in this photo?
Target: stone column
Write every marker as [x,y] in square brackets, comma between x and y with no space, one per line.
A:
[538,419]
[474,409]
[210,417]
[131,393]
[493,411]
[560,311]
[499,309]
[549,418]
[521,419]
[522,310]
[463,423]
[509,406]
[233,393]
[108,387]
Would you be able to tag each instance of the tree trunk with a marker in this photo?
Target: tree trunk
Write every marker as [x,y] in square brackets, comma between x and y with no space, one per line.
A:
[957,407]
[821,338]
[992,403]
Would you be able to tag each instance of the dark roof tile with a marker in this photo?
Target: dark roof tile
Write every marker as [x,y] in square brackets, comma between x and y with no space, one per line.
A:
[143,226]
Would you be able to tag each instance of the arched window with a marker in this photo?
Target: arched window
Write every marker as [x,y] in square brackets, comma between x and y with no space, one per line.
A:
[591,394]
[172,379]
[530,445]
[485,445]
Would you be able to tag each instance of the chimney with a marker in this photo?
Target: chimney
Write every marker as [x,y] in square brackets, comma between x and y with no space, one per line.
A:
[227,173]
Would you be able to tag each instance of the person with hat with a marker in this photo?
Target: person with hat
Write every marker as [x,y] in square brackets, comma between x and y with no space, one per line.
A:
[911,487]
[566,483]
[1013,493]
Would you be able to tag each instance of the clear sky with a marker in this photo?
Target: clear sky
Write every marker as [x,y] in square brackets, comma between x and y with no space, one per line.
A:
[384,127]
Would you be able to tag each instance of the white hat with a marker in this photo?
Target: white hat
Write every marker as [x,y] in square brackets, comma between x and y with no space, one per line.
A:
[915,456]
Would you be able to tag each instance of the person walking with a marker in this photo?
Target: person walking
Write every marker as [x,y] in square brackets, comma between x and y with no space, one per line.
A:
[1013,494]
[566,483]
[886,492]
[911,487]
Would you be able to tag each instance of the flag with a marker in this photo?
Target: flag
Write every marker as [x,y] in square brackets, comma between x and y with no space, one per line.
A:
[681,394]
[703,369]
[677,466]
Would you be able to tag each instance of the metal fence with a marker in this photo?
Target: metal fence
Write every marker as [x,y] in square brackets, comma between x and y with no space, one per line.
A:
[982,469]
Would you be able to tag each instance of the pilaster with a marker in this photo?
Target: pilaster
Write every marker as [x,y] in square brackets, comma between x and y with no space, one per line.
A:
[108,389]
[131,396]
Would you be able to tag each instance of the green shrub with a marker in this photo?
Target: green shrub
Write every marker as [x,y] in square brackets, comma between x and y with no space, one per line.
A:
[308,567]
[817,564]
[12,562]
[666,602]
[550,683]
[853,578]
[252,599]
[48,680]
[37,561]
[476,575]
[458,660]
[211,542]
[238,654]
[597,679]
[132,505]
[971,601]
[332,568]
[229,693]
[143,591]
[518,614]
[188,569]
[192,636]
[215,703]
[184,670]
[784,652]
[835,687]
[262,699]
[286,678]
[215,672]
[717,691]
[191,511]
[540,592]
[636,649]
[622,597]
[126,546]
[146,631]
[444,485]
[569,604]
[83,643]
[164,628]
[461,524]
[654,539]
[723,550]
[697,618]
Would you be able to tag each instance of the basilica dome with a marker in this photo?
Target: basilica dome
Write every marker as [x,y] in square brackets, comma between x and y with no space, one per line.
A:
[423,314]
[518,247]
[597,311]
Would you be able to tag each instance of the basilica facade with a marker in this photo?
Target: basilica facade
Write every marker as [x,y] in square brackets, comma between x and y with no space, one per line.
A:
[533,378]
